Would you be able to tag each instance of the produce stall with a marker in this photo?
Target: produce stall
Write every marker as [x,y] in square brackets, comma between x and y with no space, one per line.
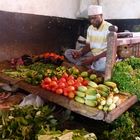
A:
[90,97]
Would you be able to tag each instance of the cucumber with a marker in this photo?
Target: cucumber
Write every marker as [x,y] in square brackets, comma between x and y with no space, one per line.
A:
[80,94]
[79,100]
[91,103]
[91,97]
[82,88]
[91,91]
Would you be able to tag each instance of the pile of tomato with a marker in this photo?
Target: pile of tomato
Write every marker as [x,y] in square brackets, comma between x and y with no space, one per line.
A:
[66,85]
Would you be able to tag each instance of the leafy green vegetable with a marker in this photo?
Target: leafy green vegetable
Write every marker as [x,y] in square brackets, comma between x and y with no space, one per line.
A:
[127,75]
[25,123]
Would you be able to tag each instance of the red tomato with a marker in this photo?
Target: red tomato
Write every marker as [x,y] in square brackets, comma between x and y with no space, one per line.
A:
[62,85]
[70,88]
[54,78]
[71,95]
[85,82]
[54,89]
[80,79]
[47,87]
[77,84]
[65,75]
[65,92]
[59,91]
[62,79]
[71,77]
[47,80]
[70,82]
[53,84]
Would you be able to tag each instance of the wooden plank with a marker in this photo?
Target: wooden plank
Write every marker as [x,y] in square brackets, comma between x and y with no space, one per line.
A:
[125,41]
[87,111]
[111,116]
[7,79]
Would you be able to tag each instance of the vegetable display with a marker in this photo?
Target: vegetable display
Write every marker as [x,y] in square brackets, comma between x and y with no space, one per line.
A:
[127,75]
[30,123]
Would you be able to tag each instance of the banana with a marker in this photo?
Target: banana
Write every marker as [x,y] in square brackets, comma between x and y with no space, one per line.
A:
[103,88]
[92,84]
[116,90]
[110,84]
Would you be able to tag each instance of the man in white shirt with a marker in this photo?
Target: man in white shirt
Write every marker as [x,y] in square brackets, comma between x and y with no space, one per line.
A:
[95,43]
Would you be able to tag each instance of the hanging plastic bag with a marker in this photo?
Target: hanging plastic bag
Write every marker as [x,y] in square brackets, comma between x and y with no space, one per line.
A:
[32,99]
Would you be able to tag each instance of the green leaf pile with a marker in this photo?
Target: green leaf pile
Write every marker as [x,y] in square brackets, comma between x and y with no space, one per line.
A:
[24,123]
[127,75]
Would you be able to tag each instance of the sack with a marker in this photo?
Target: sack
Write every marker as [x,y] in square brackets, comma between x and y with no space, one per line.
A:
[99,65]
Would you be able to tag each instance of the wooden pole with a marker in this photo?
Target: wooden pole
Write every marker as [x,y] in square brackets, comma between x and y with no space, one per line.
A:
[111,51]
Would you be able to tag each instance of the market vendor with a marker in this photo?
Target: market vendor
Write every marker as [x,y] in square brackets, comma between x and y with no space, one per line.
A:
[93,52]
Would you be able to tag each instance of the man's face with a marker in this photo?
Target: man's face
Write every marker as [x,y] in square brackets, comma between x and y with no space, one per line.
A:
[96,20]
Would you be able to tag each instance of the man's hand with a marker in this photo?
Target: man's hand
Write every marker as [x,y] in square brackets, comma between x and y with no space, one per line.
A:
[88,61]
[76,53]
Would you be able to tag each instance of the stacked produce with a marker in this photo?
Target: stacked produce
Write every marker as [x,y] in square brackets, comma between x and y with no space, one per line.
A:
[33,73]
[105,96]
[66,85]
[51,58]
[83,87]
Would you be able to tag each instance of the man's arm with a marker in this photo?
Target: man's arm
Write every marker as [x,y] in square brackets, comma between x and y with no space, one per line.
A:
[85,49]
[103,54]
[93,58]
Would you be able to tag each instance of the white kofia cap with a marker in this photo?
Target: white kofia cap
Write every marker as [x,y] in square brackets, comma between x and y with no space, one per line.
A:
[94,10]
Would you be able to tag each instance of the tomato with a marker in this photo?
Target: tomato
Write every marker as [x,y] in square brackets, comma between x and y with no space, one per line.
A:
[54,78]
[62,79]
[70,88]
[65,92]
[62,85]
[47,80]
[77,84]
[53,84]
[85,82]
[54,89]
[65,75]
[80,79]
[59,91]
[47,87]
[71,77]
[70,82]
[71,95]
